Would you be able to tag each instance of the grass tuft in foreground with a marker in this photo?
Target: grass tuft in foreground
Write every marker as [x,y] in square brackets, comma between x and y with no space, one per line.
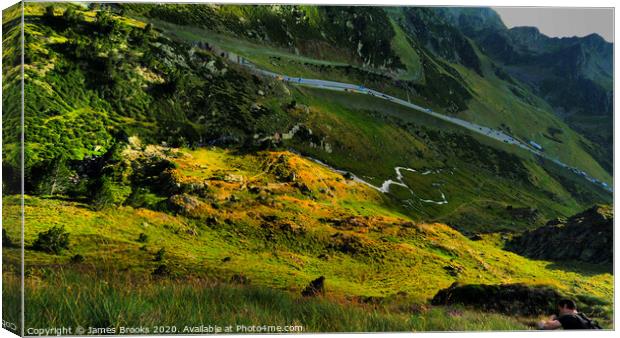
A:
[114,299]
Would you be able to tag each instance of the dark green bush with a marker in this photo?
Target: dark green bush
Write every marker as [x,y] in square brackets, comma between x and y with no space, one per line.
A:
[54,240]
[159,255]
[6,241]
[143,238]
[77,259]
[110,193]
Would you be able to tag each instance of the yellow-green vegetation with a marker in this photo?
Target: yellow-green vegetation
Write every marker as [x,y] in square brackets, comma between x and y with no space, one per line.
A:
[527,118]
[166,183]
[476,94]
[404,49]
[280,221]
[109,299]
[481,179]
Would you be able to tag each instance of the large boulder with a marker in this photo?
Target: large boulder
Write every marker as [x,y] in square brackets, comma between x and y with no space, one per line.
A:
[513,299]
[586,237]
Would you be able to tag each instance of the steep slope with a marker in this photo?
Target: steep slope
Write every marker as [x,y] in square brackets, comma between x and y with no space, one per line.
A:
[575,75]
[159,166]
[423,57]
[187,94]
[356,35]
[270,219]
[505,98]
[586,237]
[81,68]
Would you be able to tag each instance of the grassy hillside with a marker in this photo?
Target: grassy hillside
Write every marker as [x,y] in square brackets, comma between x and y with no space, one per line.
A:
[185,95]
[456,80]
[245,215]
[158,168]
[481,182]
[574,75]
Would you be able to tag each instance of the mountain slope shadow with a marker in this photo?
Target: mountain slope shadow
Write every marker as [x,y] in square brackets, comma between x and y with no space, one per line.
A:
[585,239]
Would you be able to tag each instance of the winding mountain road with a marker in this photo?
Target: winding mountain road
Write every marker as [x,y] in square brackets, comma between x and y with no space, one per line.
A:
[348,87]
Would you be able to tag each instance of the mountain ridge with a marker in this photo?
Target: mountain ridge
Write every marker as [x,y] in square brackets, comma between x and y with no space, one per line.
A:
[573,73]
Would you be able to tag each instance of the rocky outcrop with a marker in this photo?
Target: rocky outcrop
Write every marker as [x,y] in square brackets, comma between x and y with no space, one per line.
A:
[586,237]
[315,288]
[513,299]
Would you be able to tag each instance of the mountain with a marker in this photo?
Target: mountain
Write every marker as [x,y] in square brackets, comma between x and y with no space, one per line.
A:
[575,75]
[350,160]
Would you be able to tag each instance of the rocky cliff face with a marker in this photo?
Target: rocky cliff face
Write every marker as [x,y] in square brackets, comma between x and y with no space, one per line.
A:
[587,237]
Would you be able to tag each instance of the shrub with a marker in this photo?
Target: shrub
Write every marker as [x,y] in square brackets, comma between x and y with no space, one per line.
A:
[53,240]
[110,193]
[57,180]
[6,241]
[239,279]
[49,11]
[159,255]
[143,238]
[161,271]
[77,259]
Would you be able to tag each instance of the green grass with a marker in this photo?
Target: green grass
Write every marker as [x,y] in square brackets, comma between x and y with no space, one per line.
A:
[403,48]
[359,129]
[382,254]
[366,244]
[113,287]
[494,105]
[113,299]
[291,257]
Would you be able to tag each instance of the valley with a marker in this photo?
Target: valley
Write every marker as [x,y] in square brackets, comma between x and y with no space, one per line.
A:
[335,168]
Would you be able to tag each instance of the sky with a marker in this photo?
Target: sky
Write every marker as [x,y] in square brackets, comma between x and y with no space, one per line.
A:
[561,22]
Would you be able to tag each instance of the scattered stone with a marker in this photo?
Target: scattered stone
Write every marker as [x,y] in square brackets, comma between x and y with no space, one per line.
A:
[77,259]
[476,237]
[161,271]
[303,188]
[270,218]
[212,220]
[183,203]
[240,279]
[143,238]
[453,270]
[254,189]
[324,257]
[159,255]
[315,288]
[233,178]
